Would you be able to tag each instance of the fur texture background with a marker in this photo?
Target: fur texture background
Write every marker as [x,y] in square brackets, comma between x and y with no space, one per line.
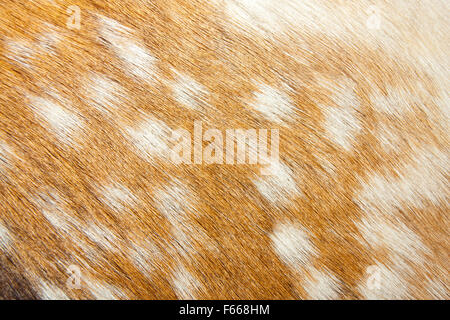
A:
[356,209]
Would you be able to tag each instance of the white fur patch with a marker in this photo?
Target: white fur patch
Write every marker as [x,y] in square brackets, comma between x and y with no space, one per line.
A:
[117,196]
[150,138]
[341,122]
[278,187]
[5,238]
[64,123]
[49,291]
[184,284]
[188,92]
[103,93]
[293,245]
[321,285]
[137,58]
[102,291]
[175,202]
[418,182]
[20,52]
[102,236]
[384,283]
[275,105]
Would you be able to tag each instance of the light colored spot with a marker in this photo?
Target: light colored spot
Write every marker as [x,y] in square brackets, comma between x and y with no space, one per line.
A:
[321,285]
[52,208]
[274,104]
[6,155]
[418,182]
[397,101]
[102,236]
[438,289]
[102,291]
[103,93]
[341,122]
[117,196]
[150,138]
[138,60]
[402,243]
[292,244]
[144,255]
[64,123]
[174,201]
[392,285]
[5,238]
[184,284]
[188,92]
[19,51]
[278,187]
[49,291]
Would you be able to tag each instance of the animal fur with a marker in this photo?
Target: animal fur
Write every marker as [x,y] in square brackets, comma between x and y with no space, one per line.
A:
[357,207]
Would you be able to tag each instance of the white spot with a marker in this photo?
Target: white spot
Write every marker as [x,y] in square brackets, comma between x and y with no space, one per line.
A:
[6,155]
[117,196]
[52,208]
[274,104]
[144,255]
[5,238]
[150,138]
[402,243]
[184,284]
[64,123]
[103,93]
[321,285]
[278,187]
[102,236]
[422,180]
[50,292]
[438,289]
[19,51]
[341,122]
[138,60]
[188,92]
[102,291]
[397,101]
[174,201]
[392,285]
[292,244]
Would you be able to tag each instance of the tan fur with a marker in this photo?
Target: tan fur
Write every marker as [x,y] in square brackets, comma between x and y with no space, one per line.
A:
[364,150]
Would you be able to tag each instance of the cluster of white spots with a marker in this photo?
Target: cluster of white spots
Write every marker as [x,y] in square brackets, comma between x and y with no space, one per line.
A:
[384,283]
[188,92]
[396,102]
[103,93]
[102,236]
[5,238]
[65,123]
[422,180]
[321,285]
[150,138]
[19,51]
[293,245]
[341,123]
[138,60]
[117,196]
[278,187]
[273,103]
[381,198]
[102,291]
[49,291]
[184,284]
